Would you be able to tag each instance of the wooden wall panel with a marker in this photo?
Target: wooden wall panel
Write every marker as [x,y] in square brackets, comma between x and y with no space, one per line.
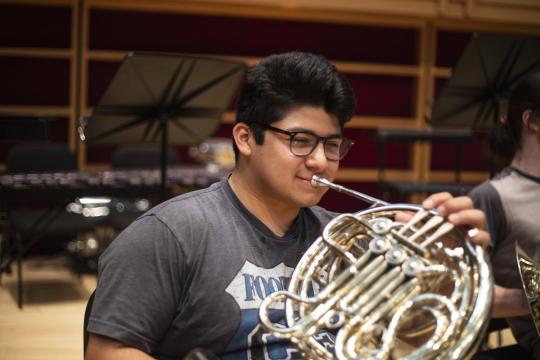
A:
[382,95]
[34,81]
[475,155]
[397,64]
[35,26]
[364,152]
[205,34]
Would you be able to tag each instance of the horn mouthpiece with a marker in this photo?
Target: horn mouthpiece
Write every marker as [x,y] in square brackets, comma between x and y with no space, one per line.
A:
[317,181]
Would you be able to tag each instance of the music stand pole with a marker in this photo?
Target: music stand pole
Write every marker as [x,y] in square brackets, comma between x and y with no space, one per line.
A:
[164,149]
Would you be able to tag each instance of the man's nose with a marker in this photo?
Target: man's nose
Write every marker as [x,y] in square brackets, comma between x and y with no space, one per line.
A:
[317,159]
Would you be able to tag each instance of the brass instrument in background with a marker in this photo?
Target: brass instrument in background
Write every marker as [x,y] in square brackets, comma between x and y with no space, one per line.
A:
[388,289]
[529,270]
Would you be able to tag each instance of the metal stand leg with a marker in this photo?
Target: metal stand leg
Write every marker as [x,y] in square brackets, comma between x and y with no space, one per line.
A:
[4,236]
[1,256]
[19,273]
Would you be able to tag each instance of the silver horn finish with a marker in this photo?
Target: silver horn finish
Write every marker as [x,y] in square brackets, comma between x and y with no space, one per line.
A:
[388,289]
[316,180]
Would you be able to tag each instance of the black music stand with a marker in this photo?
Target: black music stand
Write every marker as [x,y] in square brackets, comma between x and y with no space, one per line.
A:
[157,98]
[482,80]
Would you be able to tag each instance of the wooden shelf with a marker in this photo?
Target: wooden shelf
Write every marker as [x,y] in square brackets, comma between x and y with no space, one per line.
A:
[62,111]
[37,53]
[417,75]
[344,66]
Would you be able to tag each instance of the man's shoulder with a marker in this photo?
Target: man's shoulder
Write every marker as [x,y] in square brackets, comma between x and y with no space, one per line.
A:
[197,204]
[212,194]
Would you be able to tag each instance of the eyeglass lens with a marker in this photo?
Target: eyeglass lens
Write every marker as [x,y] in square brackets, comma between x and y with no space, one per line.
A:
[303,144]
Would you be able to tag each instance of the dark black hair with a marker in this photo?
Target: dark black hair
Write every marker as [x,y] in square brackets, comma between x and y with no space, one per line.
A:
[505,137]
[280,83]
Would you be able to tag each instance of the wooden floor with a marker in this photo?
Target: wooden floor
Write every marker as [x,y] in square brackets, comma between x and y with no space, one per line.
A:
[51,322]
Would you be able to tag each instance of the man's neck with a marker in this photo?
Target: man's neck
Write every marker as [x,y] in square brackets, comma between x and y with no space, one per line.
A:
[527,159]
[275,215]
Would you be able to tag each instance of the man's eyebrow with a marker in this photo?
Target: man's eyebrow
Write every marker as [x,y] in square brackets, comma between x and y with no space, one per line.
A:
[300,129]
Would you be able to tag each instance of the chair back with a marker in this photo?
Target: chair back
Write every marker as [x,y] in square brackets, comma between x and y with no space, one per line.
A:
[40,157]
[142,156]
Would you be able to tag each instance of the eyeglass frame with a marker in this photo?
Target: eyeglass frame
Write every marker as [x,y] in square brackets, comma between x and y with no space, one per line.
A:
[319,138]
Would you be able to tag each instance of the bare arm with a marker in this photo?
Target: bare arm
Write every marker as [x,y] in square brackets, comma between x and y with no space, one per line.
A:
[509,302]
[103,348]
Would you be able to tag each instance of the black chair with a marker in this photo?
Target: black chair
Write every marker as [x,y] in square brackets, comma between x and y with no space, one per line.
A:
[196,354]
[87,312]
[504,353]
[40,157]
[132,157]
[137,156]
[29,223]
[501,352]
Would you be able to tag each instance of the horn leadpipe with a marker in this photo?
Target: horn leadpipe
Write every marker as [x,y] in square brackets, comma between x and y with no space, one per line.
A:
[317,180]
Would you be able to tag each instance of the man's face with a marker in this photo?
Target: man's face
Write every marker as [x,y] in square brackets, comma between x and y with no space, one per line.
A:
[284,178]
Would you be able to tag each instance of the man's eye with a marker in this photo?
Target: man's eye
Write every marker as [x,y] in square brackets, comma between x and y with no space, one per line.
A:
[333,144]
[303,141]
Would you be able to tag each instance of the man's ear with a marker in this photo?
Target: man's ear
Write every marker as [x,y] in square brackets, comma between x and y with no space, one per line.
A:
[529,122]
[243,137]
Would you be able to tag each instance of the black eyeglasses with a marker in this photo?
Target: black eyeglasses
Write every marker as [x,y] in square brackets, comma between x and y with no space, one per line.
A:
[302,143]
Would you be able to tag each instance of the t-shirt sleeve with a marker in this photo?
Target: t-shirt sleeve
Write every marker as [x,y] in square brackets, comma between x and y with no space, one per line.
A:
[139,285]
[486,198]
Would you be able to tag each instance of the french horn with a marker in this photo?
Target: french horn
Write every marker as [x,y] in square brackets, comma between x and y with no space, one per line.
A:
[386,289]
[529,271]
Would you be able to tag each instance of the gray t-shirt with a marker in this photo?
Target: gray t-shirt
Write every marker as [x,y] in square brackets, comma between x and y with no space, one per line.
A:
[511,202]
[192,272]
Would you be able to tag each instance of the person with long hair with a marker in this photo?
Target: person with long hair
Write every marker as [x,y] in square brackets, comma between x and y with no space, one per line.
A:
[511,202]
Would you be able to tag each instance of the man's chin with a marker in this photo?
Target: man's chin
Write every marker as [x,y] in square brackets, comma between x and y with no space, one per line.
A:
[311,201]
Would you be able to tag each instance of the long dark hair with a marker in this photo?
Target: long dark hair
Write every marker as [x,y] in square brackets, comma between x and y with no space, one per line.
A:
[505,137]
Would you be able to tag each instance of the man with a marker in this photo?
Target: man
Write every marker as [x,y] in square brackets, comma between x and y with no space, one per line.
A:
[511,202]
[193,271]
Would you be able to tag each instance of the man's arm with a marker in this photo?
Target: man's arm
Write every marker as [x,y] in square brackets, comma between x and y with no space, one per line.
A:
[509,302]
[103,348]
[132,314]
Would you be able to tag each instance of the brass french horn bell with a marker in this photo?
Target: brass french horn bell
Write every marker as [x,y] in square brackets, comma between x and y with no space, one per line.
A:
[386,289]
[529,271]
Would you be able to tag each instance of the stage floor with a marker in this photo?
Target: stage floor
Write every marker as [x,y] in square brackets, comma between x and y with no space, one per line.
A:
[50,325]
